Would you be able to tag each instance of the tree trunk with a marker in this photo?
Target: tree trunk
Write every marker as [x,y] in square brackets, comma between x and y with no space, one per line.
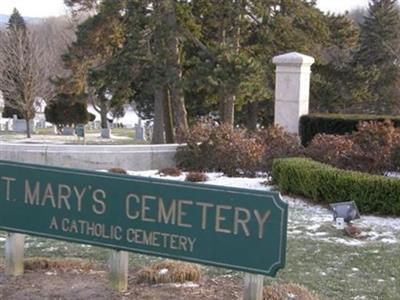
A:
[252,116]
[158,126]
[103,113]
[168,118]
[174,73]
[227,107]
[229,110]
[226,99]
[28,128]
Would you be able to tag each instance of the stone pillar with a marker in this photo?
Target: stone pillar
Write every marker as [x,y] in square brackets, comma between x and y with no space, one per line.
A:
[14,254]
[292,89]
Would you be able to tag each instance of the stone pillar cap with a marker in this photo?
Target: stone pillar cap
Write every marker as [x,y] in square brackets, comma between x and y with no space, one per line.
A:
[293,58]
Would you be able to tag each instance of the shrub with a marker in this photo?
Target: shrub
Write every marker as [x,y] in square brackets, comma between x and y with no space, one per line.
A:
[174,172]
[287,292]
[336,150]
[313,124]
[193,156]
[62,113]
[377,141]
[395,160]
[118,171]
[278,144]
[224,149]
[168,271]
[196,177]
[323,183]
[369,149]
[35,264]
[235,153]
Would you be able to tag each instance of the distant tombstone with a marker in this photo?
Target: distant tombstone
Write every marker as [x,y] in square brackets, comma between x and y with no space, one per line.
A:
[96,125]
[19,126]
[41,124]
[68,131]
[80,130]
[105,133]
[149,131]
[55,130]
[139,131]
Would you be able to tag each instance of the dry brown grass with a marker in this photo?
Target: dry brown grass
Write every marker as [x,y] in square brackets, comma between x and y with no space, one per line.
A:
[288,291]
[37,264]
[118,171]
[168,271]
[196,177]
[174,172]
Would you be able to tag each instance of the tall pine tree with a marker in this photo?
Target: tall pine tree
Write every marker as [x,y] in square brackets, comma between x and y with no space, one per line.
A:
[380,48]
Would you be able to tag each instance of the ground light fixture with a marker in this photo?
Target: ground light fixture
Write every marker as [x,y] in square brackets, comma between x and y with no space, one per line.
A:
[344,212]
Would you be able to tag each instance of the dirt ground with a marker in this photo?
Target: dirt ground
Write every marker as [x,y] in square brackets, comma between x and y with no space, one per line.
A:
[75,283]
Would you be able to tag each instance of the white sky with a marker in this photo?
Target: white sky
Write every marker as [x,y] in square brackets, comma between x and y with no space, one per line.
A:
[33,8]
[340,5]
[45,8]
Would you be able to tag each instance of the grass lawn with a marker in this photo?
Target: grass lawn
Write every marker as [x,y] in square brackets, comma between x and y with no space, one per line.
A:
[318,256]
[120,136]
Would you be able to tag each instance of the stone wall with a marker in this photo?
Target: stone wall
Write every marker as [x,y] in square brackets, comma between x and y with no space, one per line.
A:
[92,157]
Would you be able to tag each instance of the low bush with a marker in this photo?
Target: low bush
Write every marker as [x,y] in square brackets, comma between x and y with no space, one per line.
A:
[172,171]
[325,184]
[288,292]
[278,144]
[194,155]
[235,152]
[222,149]
[313,124]
[331,149]
[370,149]
[71,264]
[396,159]
[196,177]
[168,271]
[118,171]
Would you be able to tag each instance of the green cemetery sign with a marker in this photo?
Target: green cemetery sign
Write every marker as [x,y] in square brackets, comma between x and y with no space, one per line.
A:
[228,227]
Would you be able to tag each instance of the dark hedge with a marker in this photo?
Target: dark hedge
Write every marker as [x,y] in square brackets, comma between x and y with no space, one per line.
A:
[325,184]
[311,125]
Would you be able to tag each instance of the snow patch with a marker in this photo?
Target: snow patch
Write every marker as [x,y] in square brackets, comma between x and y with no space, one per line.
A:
[163,271]
[188,284]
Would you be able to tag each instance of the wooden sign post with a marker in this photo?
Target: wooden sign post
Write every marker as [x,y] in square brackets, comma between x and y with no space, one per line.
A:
[233,228]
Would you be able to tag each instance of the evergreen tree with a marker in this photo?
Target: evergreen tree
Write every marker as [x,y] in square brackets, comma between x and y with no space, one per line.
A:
[90,60]
[241,38]
[379,48]
[178,57]
[337,85]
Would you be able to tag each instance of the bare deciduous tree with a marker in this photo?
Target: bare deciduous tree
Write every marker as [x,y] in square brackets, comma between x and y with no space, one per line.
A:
[24,72]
